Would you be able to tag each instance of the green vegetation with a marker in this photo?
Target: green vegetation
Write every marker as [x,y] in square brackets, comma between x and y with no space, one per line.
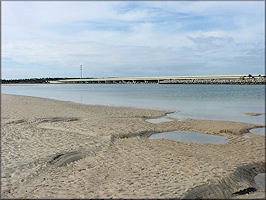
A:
[32,80]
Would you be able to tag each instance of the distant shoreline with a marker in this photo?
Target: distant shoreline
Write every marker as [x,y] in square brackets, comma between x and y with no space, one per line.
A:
[215,79]
[201,83]
[147,83]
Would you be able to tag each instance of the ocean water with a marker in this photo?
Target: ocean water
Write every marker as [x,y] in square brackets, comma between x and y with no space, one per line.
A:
[210,102]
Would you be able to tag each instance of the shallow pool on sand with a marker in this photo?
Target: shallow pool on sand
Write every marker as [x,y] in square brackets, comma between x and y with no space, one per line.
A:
[259,131]
[190,137]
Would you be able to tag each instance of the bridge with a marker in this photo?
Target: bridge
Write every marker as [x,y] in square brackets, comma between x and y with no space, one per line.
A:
[210,79]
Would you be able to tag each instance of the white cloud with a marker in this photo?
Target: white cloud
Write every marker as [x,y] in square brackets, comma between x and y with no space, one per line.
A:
[133,38]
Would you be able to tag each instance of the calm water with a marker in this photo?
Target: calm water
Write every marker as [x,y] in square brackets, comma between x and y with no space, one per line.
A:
[191,137]
[215,102]
[259,131]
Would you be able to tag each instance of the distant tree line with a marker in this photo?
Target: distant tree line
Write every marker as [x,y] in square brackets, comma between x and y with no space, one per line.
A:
[32,80]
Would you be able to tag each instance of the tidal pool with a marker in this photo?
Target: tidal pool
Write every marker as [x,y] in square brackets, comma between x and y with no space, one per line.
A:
[259,131]
[260,181]
[190,137]
[158,120]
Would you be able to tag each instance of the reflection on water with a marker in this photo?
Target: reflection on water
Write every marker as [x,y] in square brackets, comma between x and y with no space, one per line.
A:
[191,137]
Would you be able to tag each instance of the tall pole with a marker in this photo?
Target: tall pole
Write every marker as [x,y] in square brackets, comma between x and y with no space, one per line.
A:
[80,71]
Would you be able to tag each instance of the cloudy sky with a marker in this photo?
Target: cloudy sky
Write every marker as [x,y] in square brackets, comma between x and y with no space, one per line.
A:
[132,39]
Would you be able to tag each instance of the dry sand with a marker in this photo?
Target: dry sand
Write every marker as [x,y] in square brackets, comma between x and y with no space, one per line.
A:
[57,149]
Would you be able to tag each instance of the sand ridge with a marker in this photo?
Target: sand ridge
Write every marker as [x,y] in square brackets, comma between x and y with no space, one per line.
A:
[254,114]
[57,149]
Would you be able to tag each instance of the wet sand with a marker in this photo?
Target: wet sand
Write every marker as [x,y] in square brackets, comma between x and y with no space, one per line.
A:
[58,149]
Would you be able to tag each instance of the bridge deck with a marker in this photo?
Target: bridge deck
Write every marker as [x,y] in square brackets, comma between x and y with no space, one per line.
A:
[169,79]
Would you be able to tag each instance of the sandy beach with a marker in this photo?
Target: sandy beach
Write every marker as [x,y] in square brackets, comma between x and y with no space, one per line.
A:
[59,149]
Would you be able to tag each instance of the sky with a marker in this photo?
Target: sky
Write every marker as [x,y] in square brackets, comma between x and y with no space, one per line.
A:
[131,38]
